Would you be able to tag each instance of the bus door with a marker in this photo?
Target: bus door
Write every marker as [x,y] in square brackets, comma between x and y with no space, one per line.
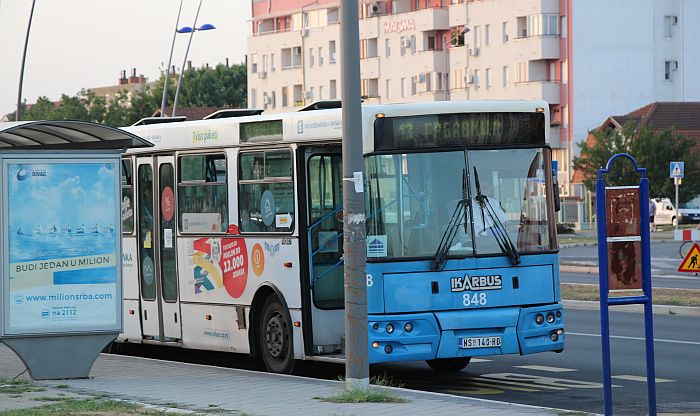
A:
[160,308]
[325,246]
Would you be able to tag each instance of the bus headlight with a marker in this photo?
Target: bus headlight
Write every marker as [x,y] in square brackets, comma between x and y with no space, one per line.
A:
[550,318]
[539,319]
[408,327]
[389,328]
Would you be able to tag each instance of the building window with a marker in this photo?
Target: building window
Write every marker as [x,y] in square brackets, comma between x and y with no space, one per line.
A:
[387,48]
[273,99]
[476,79]
[320,55]
[668,70]
[253,63]
[487,35]
[403,87]
[320,92]
[477,38]
[311,94]
[253,98]
[563,27]
[488,77]
[413,44]
[521,72]
[332,91]
[669,22]
[387,93]
[311,56]
[272,62]
[285,97]
[331,51]
[505,76]
[505,32]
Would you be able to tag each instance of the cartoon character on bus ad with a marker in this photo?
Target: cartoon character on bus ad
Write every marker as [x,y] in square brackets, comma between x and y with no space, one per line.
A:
[220,263]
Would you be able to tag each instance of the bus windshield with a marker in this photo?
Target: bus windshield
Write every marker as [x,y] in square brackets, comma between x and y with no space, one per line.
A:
[412,197]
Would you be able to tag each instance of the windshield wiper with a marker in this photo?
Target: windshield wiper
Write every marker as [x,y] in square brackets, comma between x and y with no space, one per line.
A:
[498,229]
[449,235]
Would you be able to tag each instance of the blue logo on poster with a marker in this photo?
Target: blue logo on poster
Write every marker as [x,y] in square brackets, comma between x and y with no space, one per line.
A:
[19,299]
[23,174]
[267,208]
[44,313]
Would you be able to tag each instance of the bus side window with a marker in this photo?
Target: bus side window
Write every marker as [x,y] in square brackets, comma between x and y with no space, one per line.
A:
[265,190]
[202,193]
[127,205]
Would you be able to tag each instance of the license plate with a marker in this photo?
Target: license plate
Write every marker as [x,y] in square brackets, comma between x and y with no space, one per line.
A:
[480,342]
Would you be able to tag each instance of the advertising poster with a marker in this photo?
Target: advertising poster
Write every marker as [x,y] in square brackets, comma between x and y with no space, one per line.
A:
[623,211]
[63,247]
[625,265]
[220,263]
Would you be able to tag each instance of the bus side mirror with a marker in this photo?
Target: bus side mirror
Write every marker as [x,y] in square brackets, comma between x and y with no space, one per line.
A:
[557,199]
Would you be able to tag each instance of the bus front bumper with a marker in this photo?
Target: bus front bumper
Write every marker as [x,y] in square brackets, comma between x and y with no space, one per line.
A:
[466,333]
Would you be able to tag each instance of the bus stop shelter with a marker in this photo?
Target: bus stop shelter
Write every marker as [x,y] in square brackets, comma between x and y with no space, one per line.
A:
[60,247]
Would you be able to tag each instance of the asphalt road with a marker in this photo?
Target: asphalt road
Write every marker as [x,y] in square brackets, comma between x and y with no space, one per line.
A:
[571,380]
[665,260]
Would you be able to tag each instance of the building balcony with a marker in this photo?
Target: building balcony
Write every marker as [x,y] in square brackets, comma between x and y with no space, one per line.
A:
[459,12]
[273,41]
[538,90]
[369,67]
[435,60]
[538,47]
[434,18]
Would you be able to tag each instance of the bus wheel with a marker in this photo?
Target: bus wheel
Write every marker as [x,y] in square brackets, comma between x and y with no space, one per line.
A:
[276,338]
[449,364]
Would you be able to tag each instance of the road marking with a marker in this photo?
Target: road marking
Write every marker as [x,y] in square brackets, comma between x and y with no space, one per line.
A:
[490,383]
[479,360]
[640,378]
[670,341]
[545,368]
[504,383]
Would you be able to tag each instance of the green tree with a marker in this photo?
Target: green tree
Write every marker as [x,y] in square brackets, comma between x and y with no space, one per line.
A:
[43,109]
[72,108]
[653,150]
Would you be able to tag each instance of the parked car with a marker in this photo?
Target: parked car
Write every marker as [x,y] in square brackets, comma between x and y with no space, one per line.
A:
[665,212]
[688,213]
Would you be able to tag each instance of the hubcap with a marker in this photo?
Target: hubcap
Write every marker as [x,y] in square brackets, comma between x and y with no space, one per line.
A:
[274,336]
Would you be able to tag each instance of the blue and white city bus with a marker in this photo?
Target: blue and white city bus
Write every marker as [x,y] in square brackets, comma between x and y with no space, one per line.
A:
[233,233]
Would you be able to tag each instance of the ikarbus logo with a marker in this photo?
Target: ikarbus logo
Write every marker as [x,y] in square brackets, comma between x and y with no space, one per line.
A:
[23,174]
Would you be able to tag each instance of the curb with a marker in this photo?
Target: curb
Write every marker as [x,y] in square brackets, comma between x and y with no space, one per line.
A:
[657,309]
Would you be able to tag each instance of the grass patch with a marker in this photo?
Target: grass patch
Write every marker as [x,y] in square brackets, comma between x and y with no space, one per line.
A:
[660,296]
[354,394]
[62,386]
[19,386]
[85,407]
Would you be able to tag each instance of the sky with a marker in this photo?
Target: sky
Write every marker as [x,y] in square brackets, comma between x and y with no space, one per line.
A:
[76,44]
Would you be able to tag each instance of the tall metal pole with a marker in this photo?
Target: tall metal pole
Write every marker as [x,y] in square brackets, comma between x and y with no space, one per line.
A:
[356,345]
[167,68]
[676,180]
[18,114]
[184,61]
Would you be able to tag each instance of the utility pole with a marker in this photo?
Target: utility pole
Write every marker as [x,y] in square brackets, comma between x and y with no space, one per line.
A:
[18,114]
[355,255]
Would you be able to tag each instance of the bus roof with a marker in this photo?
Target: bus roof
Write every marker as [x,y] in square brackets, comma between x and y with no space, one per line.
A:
[304,126]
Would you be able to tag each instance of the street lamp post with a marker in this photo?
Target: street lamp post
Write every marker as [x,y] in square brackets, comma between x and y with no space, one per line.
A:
[167,68]
[18,115]
[191,31]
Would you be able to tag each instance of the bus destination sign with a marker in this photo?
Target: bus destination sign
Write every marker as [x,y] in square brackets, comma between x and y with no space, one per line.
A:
[459,129]
[261,131]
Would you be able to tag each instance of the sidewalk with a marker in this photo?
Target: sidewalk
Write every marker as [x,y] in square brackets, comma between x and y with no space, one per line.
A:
[191,388]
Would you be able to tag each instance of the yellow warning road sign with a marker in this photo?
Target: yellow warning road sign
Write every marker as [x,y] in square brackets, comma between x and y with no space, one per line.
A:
[691,262]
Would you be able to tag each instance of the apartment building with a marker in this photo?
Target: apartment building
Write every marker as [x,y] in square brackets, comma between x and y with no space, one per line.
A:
[586,58]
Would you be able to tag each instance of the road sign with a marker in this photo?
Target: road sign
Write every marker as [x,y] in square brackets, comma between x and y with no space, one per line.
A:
[691,262]
[677,169]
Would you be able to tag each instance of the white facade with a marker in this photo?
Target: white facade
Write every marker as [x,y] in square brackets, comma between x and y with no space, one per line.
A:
[604,58]
[633,53]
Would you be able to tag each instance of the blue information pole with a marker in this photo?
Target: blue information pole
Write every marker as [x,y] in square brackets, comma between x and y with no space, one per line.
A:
[624,264]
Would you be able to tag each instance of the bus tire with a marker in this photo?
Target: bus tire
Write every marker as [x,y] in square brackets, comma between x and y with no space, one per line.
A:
[276,337]
[449,364]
